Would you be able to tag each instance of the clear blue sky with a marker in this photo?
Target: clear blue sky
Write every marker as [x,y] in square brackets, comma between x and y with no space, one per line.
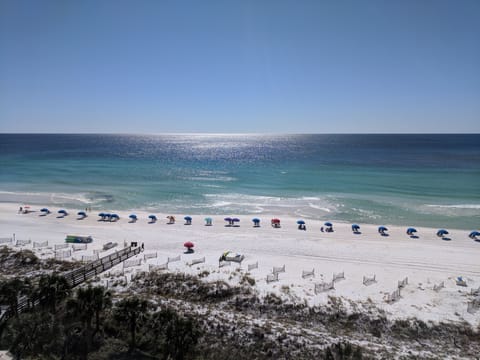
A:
[240,66]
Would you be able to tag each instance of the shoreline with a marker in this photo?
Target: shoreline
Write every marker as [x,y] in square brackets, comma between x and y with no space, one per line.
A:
[426,261]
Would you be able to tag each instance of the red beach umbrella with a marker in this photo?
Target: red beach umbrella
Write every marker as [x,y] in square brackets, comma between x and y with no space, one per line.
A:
[275,221]
[188,245]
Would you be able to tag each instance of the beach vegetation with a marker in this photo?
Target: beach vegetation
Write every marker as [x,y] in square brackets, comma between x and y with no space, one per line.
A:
[180,316]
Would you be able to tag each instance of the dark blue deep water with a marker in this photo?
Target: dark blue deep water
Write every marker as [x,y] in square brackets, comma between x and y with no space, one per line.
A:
[423,180]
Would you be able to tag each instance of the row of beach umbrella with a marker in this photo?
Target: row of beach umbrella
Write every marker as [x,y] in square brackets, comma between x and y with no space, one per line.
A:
[232,221]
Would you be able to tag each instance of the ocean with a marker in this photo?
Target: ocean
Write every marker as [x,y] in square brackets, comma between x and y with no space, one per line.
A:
[417,180]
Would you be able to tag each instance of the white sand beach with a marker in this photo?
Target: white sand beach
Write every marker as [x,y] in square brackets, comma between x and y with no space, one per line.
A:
[426,261]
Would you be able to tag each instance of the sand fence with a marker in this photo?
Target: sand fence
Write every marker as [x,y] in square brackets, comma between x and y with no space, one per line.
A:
[196,261]
[338,276]
[6,240]
[369,279]
[22,242]
[308,273]
[38,245]
[324,286]
[395,295]
[439,286]
[274,275]
[251,267]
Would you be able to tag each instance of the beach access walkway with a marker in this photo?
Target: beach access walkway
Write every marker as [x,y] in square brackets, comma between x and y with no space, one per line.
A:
[76,277]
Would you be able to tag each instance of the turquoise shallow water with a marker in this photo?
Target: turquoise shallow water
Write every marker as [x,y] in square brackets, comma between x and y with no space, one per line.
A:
[421,180]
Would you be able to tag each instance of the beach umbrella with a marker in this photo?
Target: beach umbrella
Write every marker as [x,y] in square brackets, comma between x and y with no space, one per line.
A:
[382,229]
[188,245]
[275,221]
[411,230]
[113,216]
[107,215]
[355,227]
[228,219]
[235,220]
[256,220]
[300,222]
[45,210]
[208,219]
[64,212]
[329,224]
[101,214]
[82,213]
[133,217]
[442,232]
[474,234]
[153,217]
[187,218]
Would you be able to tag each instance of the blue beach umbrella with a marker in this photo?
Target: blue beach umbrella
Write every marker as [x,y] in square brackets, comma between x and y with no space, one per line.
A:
[64,212]
[382,229]
[101,214]
[153,217]
[300,222]
[113,216]
[133,217]
[187,218]
[82,213]
[474,234]
[355,227]
[329,224]
[442,232]
[228,219]
[45,210]
[208,219]
[411,230]
[256,220]
[235,220]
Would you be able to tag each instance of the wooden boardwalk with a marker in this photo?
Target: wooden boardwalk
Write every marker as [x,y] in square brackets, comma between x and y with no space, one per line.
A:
[76,277]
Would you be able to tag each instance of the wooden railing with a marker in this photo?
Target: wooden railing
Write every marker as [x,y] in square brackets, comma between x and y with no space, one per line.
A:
[75,278]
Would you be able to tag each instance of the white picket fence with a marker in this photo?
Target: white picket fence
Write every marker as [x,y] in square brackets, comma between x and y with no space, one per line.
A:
[196,261]
[308,273]
[79,247]
[132,263]
[173,259]
[60,255]
[149,256]
[278,269]
[403,283]
[224,263]
[5,240]
[369,280]
[324,286]
[439,286]
[252,266]
[338,276]
[109,245]
[272,277]
[473,306]
[22,242]
[394,296]
[61,246]
[37,245]
[152,267]
[88,258]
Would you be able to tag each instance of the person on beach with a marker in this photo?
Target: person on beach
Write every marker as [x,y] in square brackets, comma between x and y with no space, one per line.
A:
[20,210]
